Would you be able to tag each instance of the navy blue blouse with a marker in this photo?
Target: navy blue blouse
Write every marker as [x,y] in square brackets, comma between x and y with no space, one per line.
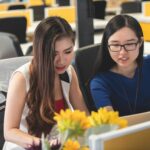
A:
[118,91]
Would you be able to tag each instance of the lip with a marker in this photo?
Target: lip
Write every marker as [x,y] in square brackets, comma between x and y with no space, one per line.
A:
[123,58]
[60,68]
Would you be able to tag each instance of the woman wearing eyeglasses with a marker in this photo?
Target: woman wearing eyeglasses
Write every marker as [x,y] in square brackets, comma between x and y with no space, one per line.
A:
[121,76]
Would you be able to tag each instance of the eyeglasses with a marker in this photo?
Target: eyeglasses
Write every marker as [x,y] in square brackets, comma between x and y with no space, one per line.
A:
[127,47]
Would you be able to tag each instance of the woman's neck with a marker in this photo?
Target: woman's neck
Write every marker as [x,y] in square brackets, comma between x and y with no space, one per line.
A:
[125,71]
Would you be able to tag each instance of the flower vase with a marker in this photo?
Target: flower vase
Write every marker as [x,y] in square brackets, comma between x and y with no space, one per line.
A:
[98,130]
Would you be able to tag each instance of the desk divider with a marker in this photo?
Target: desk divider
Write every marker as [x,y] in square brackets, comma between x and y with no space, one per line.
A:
[135,136]
[4,6]
[39,2]
[67,12]
[146,8]
[28,13]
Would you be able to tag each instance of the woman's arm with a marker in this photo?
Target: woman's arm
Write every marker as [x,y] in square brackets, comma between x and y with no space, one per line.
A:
[14,108]
[100,93]
[76,97]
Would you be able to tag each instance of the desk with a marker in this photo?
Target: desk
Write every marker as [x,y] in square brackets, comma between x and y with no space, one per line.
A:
[136,136]
[4,6]
[145,24]
[112,10]
[99,24]
[137,118]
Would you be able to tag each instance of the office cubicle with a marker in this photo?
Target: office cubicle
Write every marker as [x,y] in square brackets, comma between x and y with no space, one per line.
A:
[19,13]
[135,136]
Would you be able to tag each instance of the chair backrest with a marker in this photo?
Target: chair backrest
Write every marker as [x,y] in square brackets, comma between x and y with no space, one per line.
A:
[4,4]
[10,46]
[99,9]
[67,12]
[83,63]
[29,51]
[18,6]
[63,3]
[1,122]
[131,7]
[27,13]
[7,66]
[38,12]
[16,26]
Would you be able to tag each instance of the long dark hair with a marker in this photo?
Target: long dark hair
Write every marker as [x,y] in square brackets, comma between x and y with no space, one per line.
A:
[40,97]
[104,61]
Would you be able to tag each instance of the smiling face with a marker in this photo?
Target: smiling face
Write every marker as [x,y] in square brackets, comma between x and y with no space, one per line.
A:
[124,58]
[63,54]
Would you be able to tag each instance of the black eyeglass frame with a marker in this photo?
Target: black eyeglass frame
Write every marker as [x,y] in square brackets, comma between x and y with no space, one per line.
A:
[124,46]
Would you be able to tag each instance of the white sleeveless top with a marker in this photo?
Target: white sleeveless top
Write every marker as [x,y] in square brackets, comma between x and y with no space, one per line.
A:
[65,81]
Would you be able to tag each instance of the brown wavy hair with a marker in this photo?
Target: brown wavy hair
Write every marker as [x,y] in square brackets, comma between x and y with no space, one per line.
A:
[40,97]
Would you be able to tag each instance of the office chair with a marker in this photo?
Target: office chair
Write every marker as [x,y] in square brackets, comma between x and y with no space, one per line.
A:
[9,46]
[83,64]
[63,2]
[29,51]
[99,9]
[38,12]
[18,6]
[131,7]
[7,66]
[4,1]
[16,26]
[2,107]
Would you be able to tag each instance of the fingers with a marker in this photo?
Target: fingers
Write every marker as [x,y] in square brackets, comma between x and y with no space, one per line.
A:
[54,142]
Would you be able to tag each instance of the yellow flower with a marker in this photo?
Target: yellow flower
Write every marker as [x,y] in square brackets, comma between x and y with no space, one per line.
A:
[121,122]
[73,124]
[107,117]
[76,122]
[71,145]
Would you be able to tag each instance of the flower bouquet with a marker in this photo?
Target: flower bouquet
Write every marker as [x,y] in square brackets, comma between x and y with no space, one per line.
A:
[74,128]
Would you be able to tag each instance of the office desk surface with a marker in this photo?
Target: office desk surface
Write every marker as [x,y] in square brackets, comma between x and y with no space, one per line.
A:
[98,25]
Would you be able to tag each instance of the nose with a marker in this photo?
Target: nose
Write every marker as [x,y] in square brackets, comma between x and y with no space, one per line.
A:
[61,59]
[123,50]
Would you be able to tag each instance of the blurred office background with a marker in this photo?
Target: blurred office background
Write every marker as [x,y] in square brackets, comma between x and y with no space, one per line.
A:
[88,18]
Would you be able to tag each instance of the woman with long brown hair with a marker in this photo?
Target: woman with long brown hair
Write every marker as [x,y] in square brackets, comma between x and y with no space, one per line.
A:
[43,86]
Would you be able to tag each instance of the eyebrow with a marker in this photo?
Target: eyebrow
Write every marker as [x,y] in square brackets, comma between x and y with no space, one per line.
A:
[66,49]
[115,41]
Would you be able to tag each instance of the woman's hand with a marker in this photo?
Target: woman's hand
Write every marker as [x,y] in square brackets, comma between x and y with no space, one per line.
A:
[34,143]
[55,143]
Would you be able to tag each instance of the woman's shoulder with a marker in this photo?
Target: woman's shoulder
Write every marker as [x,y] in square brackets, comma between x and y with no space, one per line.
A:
[24,67]
[24,73]
[103,75]
[102,78]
